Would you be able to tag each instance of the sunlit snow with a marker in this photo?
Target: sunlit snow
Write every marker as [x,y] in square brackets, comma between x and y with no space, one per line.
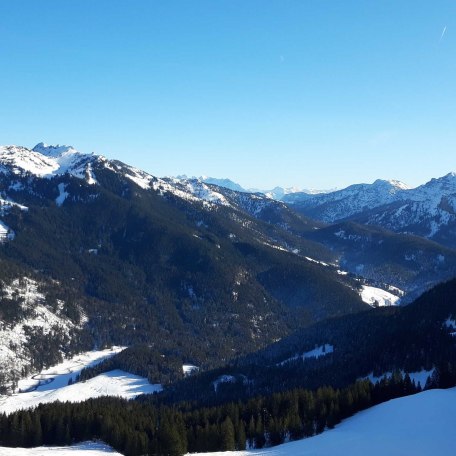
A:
[316,261]
[80,449]
[322,350]
[52,384]
[188,369]
[15,336]
[62,194]
[422,424]
[378,297]
[6,233]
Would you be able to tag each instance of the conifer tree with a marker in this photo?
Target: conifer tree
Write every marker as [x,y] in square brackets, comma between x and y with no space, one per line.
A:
[227,435]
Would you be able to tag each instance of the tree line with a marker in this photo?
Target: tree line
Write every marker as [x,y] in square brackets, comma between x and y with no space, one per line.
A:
[139,427]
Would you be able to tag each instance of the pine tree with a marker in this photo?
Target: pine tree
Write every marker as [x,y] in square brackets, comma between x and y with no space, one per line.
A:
[241,438]
[228,442]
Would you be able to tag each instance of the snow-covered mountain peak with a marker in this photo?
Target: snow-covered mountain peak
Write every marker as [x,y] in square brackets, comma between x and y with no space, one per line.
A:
[224,182]
[436,188]
[20,159]
[448,181]
[54,151]
[47,161]
[398,184]
[391,184]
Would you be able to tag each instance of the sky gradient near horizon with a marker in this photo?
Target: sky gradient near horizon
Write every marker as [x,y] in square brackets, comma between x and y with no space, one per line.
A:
[314,93]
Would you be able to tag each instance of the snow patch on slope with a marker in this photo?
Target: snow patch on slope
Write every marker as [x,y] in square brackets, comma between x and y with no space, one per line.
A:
[15,336]
[189,369]
[59,375]
[316,261]
[6,233]
[6,205]
[376,297]
[316,353]
[113,383]
[62,194]
[422,424]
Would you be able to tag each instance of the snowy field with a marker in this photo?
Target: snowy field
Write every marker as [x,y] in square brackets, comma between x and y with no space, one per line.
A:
[82,449]
[52,384]
[423,424]
[378,297]
[60,374]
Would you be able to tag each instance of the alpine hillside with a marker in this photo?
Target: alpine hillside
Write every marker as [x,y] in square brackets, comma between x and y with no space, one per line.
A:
[96,252]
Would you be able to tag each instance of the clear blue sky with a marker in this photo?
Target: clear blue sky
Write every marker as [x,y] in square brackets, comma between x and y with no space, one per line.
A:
[313,93]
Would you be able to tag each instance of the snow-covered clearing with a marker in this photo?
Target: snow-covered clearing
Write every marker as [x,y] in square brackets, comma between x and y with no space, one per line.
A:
[52,384]
[6,233]
[319,351]
[59,375]
[322,350]
[378,297]
[422,424]
[80,449]
[188,369]
[62,194]
[113,383]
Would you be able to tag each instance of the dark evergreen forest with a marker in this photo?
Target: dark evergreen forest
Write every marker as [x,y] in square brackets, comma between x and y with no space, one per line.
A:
[137,428]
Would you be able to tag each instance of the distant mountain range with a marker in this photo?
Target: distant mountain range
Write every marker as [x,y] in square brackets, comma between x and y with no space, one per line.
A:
[428,210]
[277,193]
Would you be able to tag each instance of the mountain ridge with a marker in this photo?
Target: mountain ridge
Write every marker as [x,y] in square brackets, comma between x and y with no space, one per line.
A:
[215,268]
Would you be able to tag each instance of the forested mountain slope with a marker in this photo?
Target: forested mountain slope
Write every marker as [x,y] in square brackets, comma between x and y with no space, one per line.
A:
[414,339]
[129,258]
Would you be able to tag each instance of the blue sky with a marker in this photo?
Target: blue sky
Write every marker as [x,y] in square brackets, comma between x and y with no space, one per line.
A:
[311,93]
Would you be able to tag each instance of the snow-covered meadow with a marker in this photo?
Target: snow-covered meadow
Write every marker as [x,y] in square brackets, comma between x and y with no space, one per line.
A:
[378,297]
[52,384]
[81,449]
[423,424]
